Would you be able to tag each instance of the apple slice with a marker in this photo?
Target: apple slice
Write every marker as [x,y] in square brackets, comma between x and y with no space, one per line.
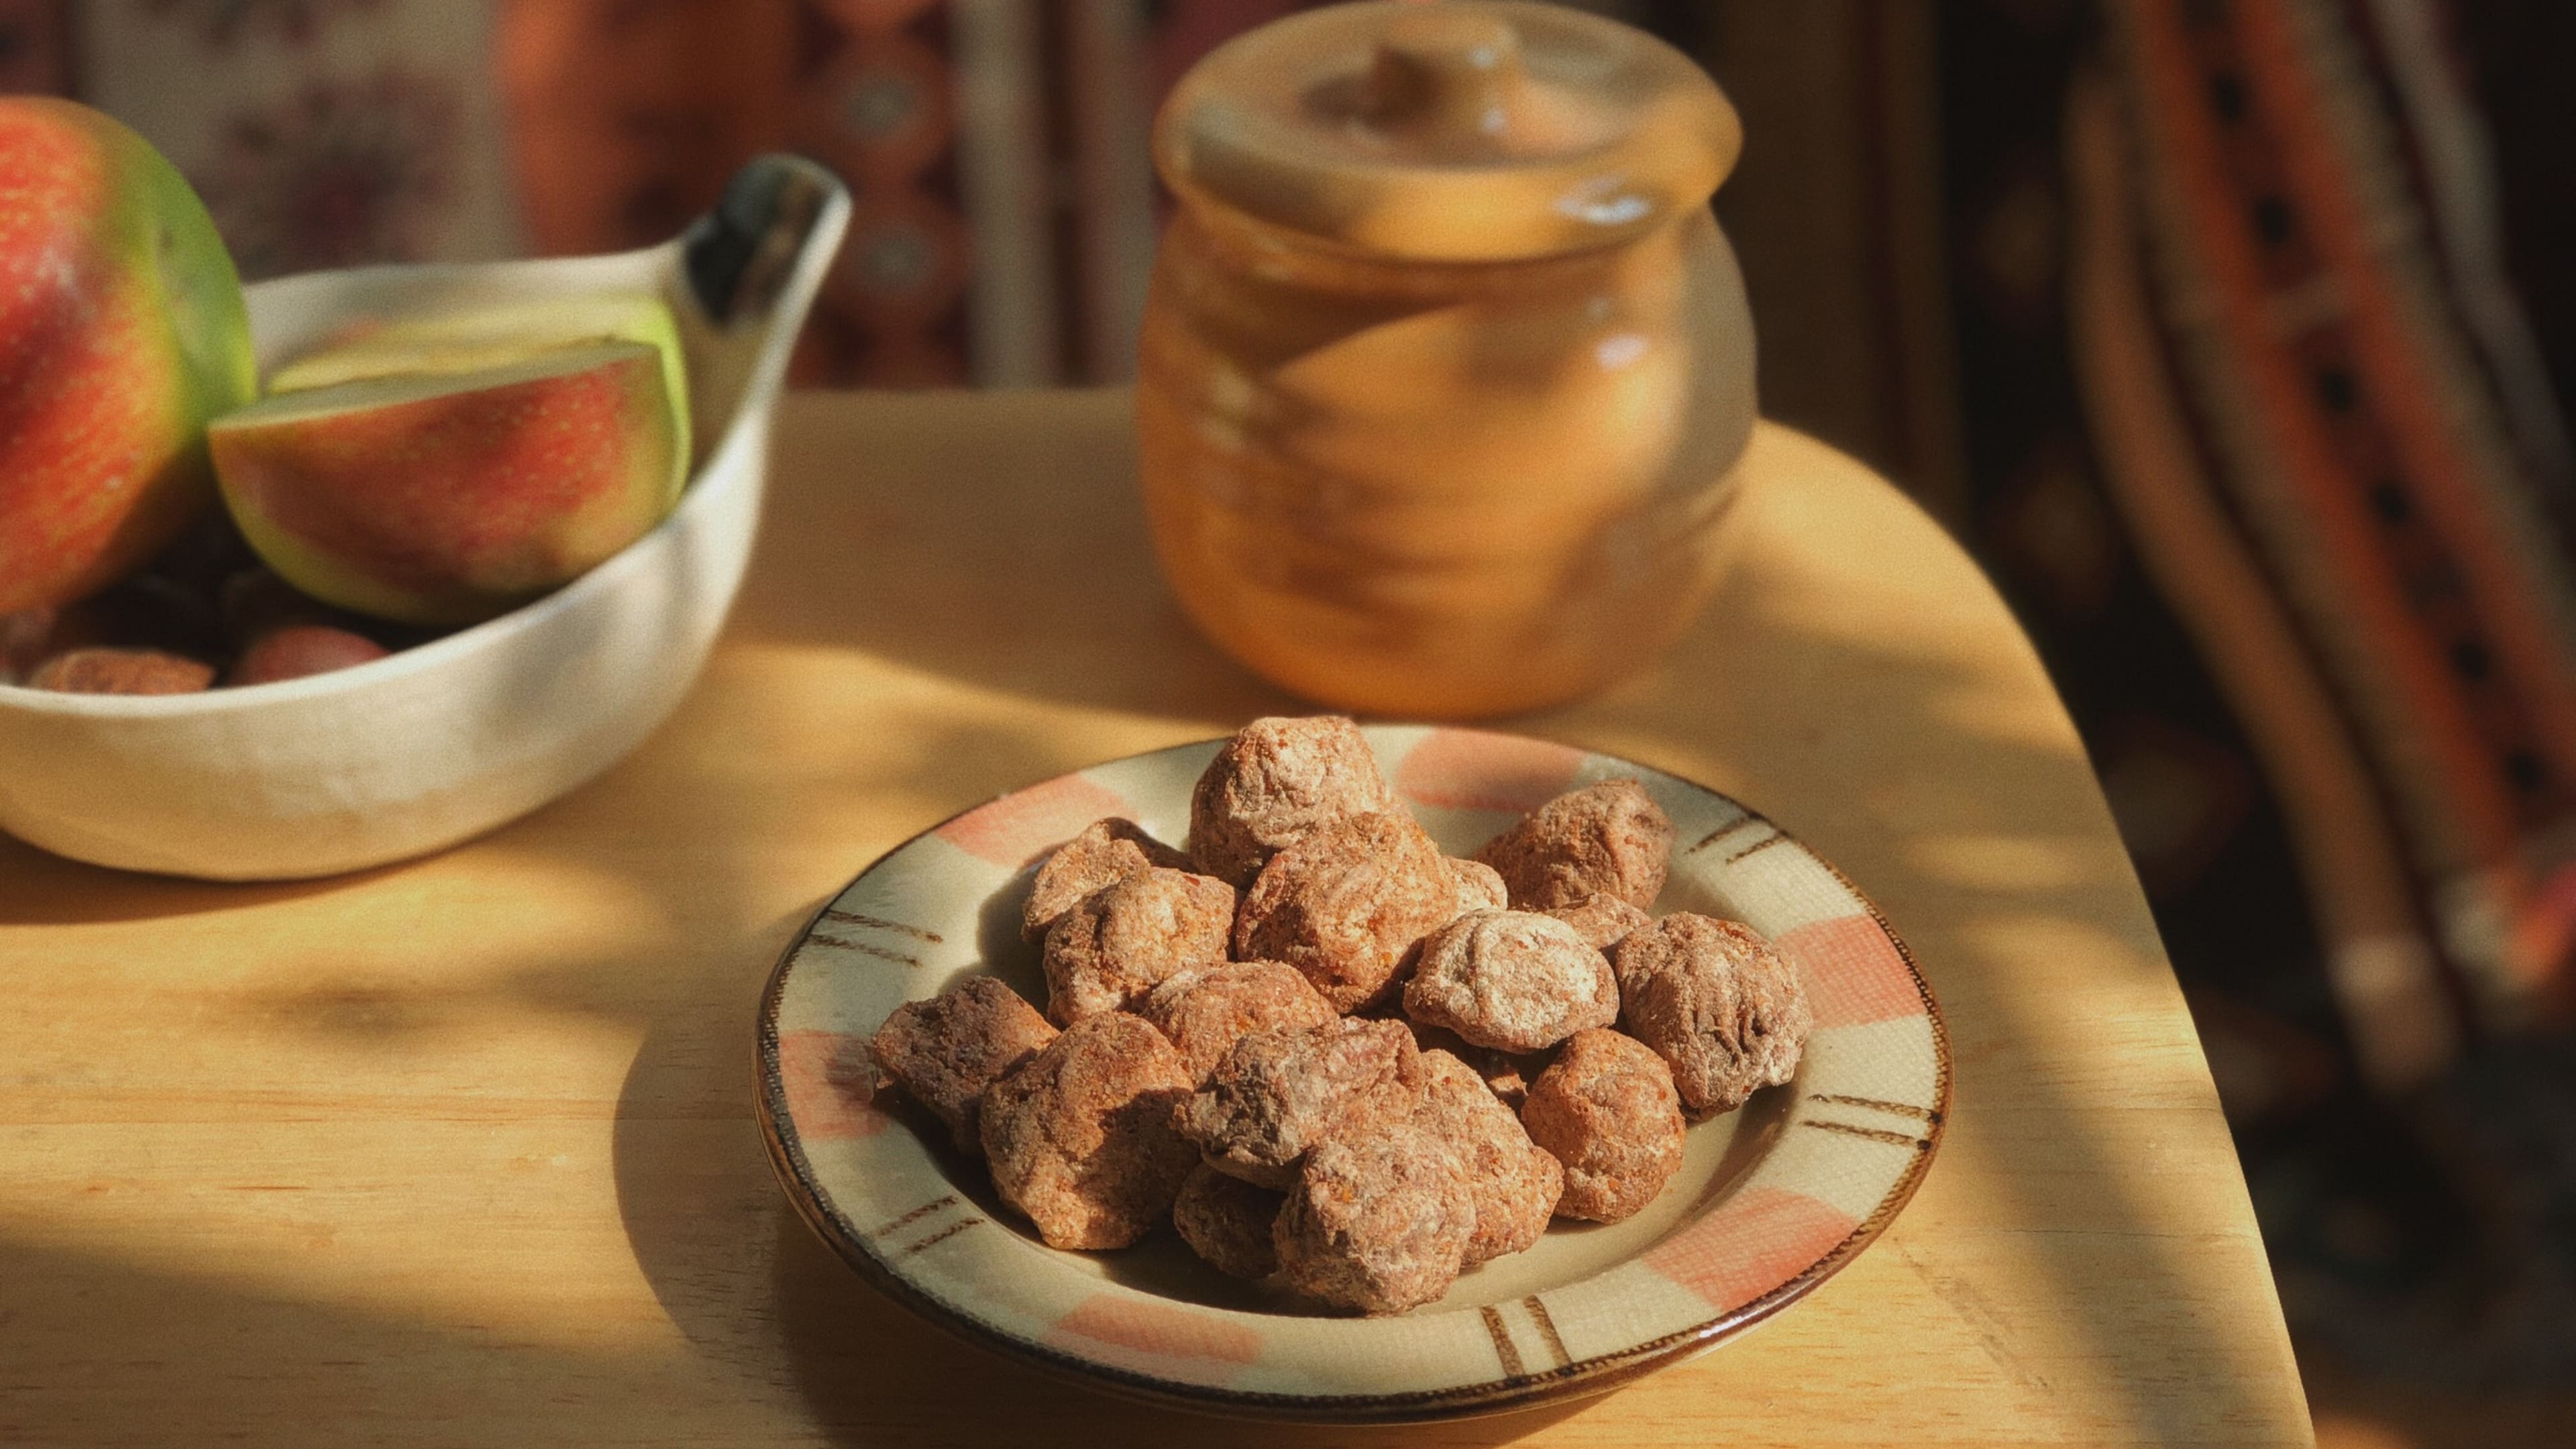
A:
[471,339]
[449,497]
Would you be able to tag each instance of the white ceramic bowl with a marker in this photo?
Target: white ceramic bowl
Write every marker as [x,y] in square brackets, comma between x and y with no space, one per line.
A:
[440,743]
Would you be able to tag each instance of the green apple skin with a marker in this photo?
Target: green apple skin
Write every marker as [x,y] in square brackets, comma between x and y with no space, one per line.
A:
[122,333]
[448,499]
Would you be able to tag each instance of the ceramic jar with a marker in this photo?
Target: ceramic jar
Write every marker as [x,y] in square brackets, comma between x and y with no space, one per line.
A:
[1446,366]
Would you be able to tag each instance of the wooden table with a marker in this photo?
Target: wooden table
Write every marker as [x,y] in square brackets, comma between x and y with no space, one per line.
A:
[462,1152]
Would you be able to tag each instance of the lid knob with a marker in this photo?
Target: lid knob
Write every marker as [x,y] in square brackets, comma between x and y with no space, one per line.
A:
[1445,74]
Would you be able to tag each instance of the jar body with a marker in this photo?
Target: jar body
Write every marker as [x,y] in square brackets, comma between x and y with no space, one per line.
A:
[1440,489]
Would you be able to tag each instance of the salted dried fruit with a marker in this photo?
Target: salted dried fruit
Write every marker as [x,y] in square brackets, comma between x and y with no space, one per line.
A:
[1128,937]
[1346,904]
[1480,886]
[122,671]
[1080,1139]
[1203,1012]
[1228,1222]
[1107,851]
[1715,1002]
[1602,920]
[1277,1092]
[1511,980]
[945,1051]
[1275,780]
[1379,1221]
[1516,1184]
[1606,1109]
[1605,839]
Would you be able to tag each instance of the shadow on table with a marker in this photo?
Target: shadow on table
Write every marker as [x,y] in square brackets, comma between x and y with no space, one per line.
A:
[37,889]
[774,1327]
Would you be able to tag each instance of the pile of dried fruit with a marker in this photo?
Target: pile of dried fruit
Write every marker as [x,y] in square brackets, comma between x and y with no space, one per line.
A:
[1342,1064]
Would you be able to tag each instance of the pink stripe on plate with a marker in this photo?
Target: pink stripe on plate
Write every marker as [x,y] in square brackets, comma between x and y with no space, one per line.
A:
[830,1083]
[1751,1244]
[1011,831]
[1161,1339]
[1473,770]
[1852,971]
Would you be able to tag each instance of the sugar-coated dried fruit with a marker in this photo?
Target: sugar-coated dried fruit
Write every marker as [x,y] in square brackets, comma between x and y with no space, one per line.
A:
[122,671]
[1107,851]
[1378,1222]
[1605,839]
[1505,1075]
[945,1051]
[1717,1003]
[1516,1184]
[1277,1092]
[1606,1109]
[1080,1140]
[1602,920]
[1123,940]
[1229,1222]
[1511,980]
[1480,886]
[1347,903]
[1206,1010]
[1275,780]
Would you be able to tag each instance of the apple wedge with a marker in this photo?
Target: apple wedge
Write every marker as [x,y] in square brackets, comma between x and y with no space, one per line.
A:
[449,497]
[474,338]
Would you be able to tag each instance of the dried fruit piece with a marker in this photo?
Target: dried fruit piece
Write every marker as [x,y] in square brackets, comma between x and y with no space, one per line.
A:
[1480,886]
[1229,1222]
[1080,1139]
[1106,851]
[1505,1075]
[1511,980]
[1606,1109]
[1204,1012]
[1605,839]
[1602,920]
[1275,1093]
[1346,904]
[301,650]
[1275,780]
[945,1051]
[121,671]
[1124,939]
[1516,1185]
[1717,1003]
[1378,1221]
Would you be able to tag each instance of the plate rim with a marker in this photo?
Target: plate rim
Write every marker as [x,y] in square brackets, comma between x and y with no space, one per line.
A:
[1579,1379]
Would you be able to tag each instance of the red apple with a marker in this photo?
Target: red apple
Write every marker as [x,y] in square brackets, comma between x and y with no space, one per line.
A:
[446,498]
[121,333]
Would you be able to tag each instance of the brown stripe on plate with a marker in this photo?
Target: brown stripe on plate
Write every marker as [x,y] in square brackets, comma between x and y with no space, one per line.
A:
[1502,1336]
[1547,1329]
[916,1215]
[855,919]
[1901,1109]
[1874,1134]
[943,1235]
[862,948]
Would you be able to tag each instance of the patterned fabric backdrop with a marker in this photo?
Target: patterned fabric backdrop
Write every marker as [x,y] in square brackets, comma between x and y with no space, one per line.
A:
[2234,336]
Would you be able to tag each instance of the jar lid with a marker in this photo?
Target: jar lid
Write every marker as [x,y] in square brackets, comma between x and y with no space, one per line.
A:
[1467,130]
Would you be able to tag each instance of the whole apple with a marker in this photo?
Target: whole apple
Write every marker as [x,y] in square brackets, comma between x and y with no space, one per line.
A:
[121,333]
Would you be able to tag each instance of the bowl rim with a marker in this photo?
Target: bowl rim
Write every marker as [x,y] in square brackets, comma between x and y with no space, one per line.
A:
[1581,1378]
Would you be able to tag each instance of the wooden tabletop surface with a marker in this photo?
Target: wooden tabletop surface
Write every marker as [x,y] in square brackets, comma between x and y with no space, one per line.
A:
[463,1151]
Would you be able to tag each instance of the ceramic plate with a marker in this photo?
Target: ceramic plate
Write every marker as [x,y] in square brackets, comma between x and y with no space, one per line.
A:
[1771,1199]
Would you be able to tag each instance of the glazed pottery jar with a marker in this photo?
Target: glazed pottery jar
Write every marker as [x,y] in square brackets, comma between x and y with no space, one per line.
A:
[1446,365]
